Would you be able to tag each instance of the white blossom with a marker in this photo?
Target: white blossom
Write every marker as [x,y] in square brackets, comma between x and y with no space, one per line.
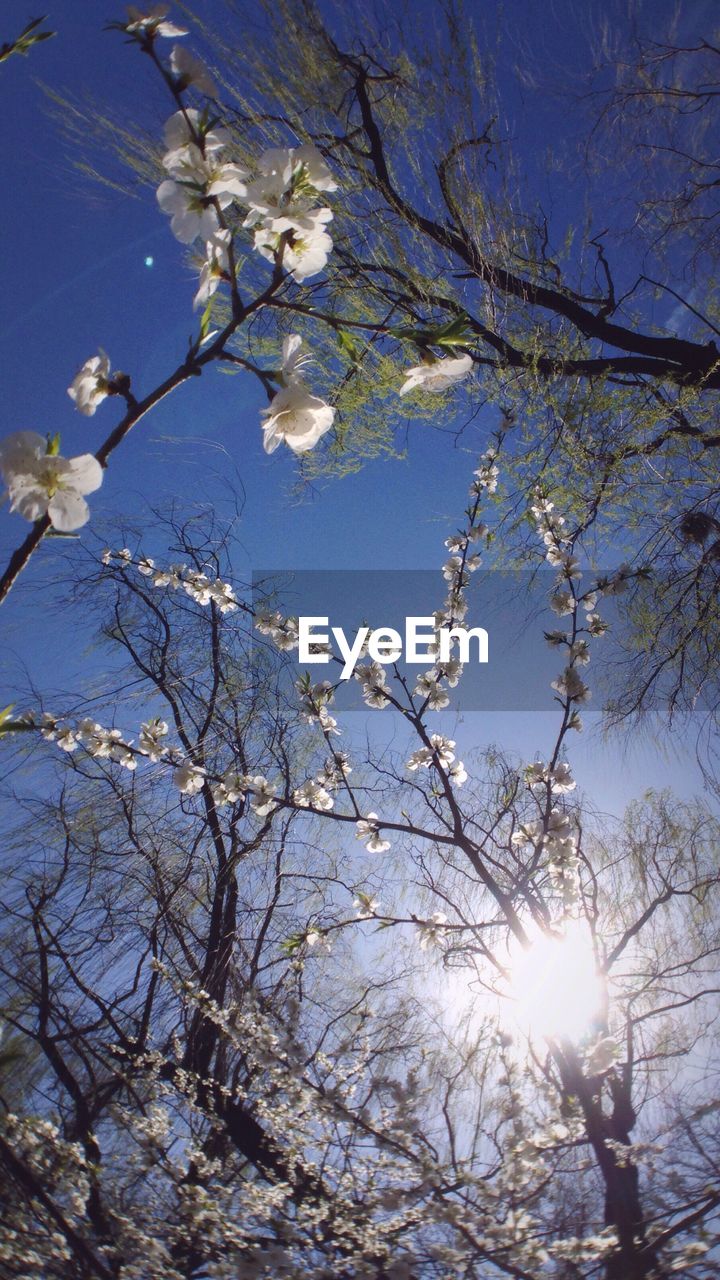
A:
[263,793]
[150,742]
[296,417]
[307,245]
[365,906]
[215,267]
[189,779]
[601,1056]
[436,375]
[313,795]
[432,931]
[40,483]
[89,387]
[183,130]
[442,750]
[152,22]
[569,685]
[368,829]
[189,70]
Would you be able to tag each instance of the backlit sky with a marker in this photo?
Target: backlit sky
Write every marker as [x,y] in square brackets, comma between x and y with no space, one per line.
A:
[75,278]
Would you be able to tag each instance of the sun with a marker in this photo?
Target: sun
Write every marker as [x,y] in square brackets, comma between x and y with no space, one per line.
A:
[555,988]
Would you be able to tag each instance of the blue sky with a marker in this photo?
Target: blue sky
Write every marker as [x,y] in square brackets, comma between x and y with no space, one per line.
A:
[75,278]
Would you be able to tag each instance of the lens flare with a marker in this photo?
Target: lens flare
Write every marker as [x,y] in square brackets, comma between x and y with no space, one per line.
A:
[555,987]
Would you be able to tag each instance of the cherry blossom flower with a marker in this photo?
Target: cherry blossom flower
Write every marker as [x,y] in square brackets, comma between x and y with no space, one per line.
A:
[230,789]
[562,602]
[365,906]
[436,375]
[313,795]
[150,742]
[215,267]
[263,793]
[90,386]
[595,624]
[457,773]
[191,214]
[199,184]
[432,930]
[442,750]
[152,23]
[189,779]
[40,483]
[368,829]
[374,687]
[296,417]
[189,70]
[298,165]
[569,685]
[306,251]
[561,779]
[182,133]
[431,691]
[293,364]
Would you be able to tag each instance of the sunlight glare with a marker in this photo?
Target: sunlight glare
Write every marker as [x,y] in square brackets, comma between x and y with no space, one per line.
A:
[554,984]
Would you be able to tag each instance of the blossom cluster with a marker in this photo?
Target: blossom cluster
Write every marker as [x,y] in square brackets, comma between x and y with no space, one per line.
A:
[287,224]
[440,752]
[196,584]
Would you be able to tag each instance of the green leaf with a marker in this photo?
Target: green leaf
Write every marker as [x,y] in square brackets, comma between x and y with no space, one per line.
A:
[348,346]
[205,319]
[52,447]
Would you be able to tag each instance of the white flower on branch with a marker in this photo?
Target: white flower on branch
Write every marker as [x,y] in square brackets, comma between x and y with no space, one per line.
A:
[561,779]
[457,773]
[150,742]
[198,185]
[296,417]
[562,602]
[437,375]
[90,386]
[293,363]
[442,750]
[375,690]
[40,483]
[189,779]
[570,686]
[152,23]
[298,168]
[307,245]
[431,691]
[215,267]
[281,213]
[365,906]
[368,829]
[230,789]
[595,625]
[486,475]
[312,795]
[432,931]
[183,132]
[601,1056]
[190,71]
[263,795]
